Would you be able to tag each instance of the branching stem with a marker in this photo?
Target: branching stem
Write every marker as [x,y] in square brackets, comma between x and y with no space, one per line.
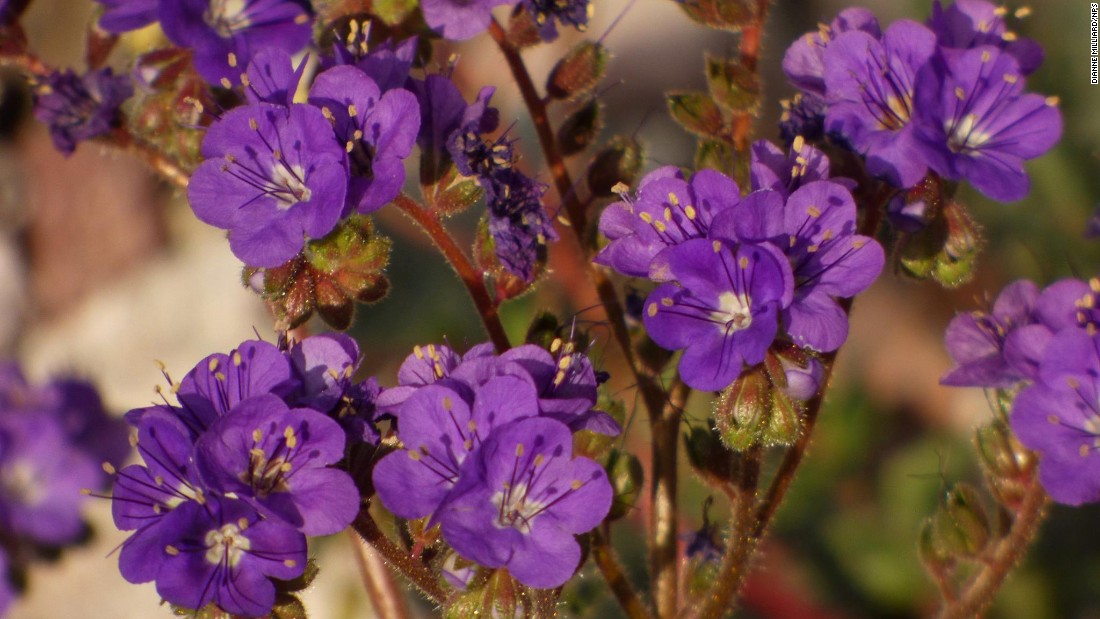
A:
[415,571]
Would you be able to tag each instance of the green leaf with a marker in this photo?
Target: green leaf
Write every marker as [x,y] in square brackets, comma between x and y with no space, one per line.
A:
[696,112]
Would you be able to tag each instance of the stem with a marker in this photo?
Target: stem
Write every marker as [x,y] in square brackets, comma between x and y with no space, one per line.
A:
[604,556]
[471,277]
[742,543]
[414,570]
[664,557]
[979,591]
[387,600]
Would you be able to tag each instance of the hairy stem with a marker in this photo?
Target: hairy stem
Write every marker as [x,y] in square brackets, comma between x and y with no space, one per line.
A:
[471,277]
[414,570]
[742,543]
[386,598]
[978,592]
[615,576]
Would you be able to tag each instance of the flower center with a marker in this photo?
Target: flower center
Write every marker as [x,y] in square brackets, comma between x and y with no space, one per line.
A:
[226,544]
[19,482]
[290,187]
[516,509]
[965,135]
[733,313]
[227,16]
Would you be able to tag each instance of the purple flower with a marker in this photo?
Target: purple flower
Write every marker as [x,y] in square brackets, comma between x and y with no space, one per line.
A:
[870,88]
[803,61]
[439,429]
[547,14]
[442,109]
[1002,347]
[273,176]
[223,552]
[324,365]
[723,309]
[145,494]
[981,126]
[472,154]
[79,108]
[518,223]
[967,24]
[566,385]
[459,19]
[976,339]
[523,499]
[803,378]
[771,168]
[816,227]
[666,212]
[276,459]
[271,77]
[803,115]
[221,381]
[377,130]
[436,363]
[125,15]
[1059,417]
[41,477]
[223,35]
[387,63]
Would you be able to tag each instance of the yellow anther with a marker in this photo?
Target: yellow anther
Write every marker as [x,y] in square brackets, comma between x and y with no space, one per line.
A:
[652,310]
[538,460]
[673,200]
[237,358]
[232,59]
[438,367]
[419,352]
[660,226]
[1084,450]
[668,214]
[959,92]
[1009,37]
[1053,100]
[985,56]
[717,245]
[555,345]
[667,301]
[257,435]
[798,144]
[109,468]
[576,485]
[448,404]
[813,211]
[1023,12]
[1010,78]
[743,262]
[172,550]
[689,210]
[565,362]
[519,450]
[414,455]
[219,376]
[212,365]
[352,111]
[291,438]
[226,83]
[646,217]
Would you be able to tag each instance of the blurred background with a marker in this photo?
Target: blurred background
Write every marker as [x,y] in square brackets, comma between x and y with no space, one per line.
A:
[103,269]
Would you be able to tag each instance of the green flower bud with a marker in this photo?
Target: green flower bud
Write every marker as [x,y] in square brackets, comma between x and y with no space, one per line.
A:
[579,72]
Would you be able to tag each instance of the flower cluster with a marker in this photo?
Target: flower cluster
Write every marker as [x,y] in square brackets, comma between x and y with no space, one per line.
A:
[239,472]
[1045,341]
[487,454]
[78,108]
[277,173]
[947,96]
[223,35]
[53,440]
[735,270]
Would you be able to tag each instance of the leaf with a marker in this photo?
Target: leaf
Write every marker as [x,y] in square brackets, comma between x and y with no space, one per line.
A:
[733,87]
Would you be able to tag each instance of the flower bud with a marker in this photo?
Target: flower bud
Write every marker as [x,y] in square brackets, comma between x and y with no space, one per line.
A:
[802,374]
[499,595]
[453,193]
[710,459]
[741,411]
[619,162]
[728,15]
[579,72]
[580,129]
[732,85]
[960,528]
[522,29]
[784,422]
[329,276]
[624,470]
[696,112]
[1008,465]
[945,250]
